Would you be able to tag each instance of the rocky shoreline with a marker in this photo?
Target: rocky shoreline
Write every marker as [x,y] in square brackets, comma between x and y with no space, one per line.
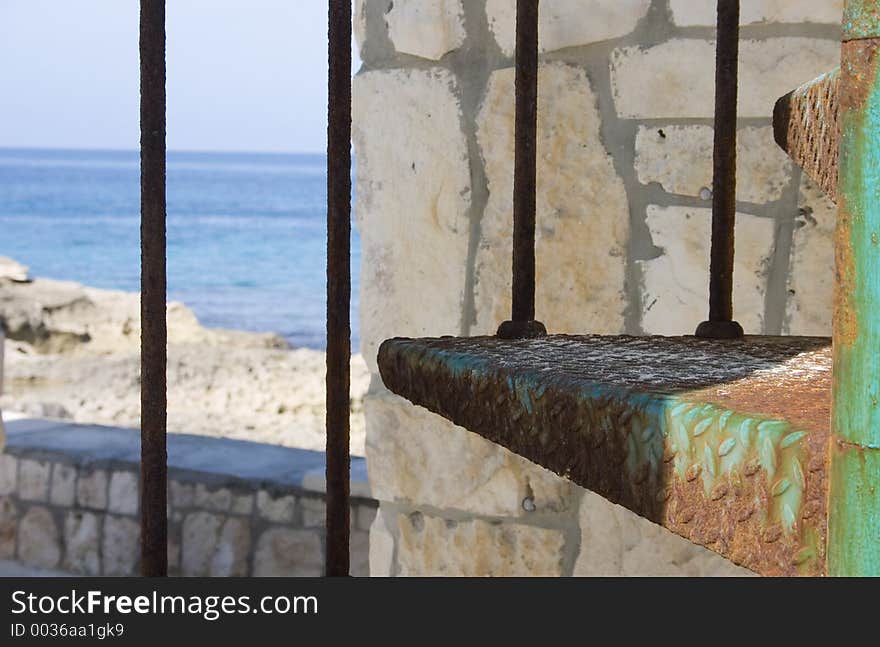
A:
[71,352]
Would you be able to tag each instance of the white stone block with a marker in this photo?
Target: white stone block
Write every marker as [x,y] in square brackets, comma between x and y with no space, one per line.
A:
[676,283]
[215,499]
[414,455]
[8,474]
[677,78]
[276,508]
[582,210]
[8,527]
[567,23]
[688,13]
[63,490]
[381,548]
[82,541]
[413,188]
[435,547]
[679,158]
[33,480]
[616,542]
[282,552]
[91,489]
[124,489]
[811,271]
[120,545]
[39,542]
[426,28]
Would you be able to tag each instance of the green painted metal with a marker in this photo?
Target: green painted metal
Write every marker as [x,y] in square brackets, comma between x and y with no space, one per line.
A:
[861,19]
[854,494]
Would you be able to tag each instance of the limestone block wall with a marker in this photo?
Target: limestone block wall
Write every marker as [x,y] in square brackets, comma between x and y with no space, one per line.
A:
[624,196]
[69,502]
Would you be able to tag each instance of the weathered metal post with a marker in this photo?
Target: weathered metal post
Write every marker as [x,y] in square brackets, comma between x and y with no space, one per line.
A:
[338,287]
[721,324]
[154,335]
[854,492]
[522,323]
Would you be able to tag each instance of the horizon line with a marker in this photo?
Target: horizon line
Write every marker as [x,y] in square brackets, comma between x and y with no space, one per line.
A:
[170,150]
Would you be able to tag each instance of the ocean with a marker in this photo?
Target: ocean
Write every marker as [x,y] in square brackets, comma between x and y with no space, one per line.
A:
[246,232]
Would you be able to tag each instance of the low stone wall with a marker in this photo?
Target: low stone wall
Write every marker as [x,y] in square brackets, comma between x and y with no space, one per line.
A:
[69,500]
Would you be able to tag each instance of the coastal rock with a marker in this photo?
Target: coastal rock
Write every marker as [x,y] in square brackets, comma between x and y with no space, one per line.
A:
[11,270]
[73,352]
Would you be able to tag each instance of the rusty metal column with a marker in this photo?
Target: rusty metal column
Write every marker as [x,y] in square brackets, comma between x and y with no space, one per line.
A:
[721,324]
[154,522]
[854,487]
[523,324]
[338,287]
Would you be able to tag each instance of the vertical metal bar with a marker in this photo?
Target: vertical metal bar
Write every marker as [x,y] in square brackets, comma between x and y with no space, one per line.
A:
[338,286]
[523,322]
[721,323]
[154,523]
[854,487]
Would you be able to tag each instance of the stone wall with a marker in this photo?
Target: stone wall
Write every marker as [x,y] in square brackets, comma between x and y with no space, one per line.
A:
[624,196]
[69,497]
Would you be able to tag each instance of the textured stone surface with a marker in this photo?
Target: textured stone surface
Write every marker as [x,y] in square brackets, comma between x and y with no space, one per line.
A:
[359,559]
[218,499]
[680,159]
[33,480]
[39,542]
[8,474]
[215,546]
[426,28]
[181,495]
[120,546]
[288,553]
[412,209]
[91,489]
[431,546]
[616,542]
[63,489]
[381,548]
[653,83]
[414,455]
[567,23]
[8,524]
[676,283]
[702,12]
[242,504]
[82,541]
[276,508]
[314,512]
[581,205]
[811,272]
[123,493]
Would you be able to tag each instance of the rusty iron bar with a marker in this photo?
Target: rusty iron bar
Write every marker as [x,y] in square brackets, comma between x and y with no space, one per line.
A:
[523,322]
[338,287]
[721,323]
[154,333]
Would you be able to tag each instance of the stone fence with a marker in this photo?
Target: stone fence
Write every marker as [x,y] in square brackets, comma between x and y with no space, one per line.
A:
[69,501]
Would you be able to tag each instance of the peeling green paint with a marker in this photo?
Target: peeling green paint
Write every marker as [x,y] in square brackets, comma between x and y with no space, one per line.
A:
[854,500]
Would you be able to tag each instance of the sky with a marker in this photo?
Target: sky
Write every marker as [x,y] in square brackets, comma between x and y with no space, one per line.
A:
[243,75]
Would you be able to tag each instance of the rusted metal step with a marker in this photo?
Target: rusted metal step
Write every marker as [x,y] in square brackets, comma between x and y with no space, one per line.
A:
[721,442]
[806,124]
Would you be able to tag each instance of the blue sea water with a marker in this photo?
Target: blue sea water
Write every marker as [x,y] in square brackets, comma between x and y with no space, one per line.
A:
[246,232]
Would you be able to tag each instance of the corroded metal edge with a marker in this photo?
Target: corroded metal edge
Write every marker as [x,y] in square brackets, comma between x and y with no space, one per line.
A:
[861,19]
[749,488]
[806,125]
